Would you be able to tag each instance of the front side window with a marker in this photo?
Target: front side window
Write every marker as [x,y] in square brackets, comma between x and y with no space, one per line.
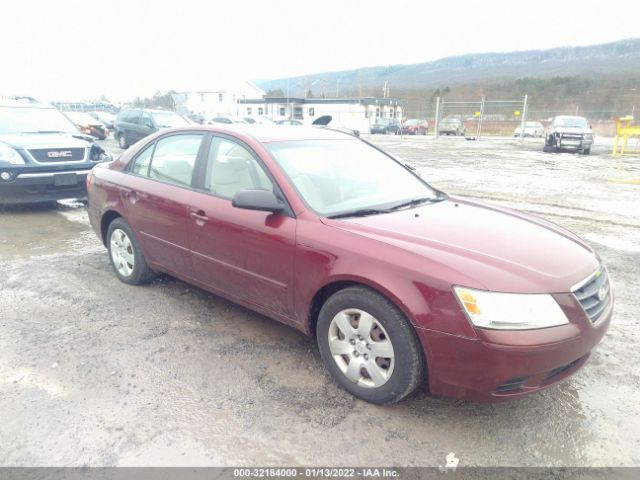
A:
[168,120]
[174,158]
[231,168]
[337,176]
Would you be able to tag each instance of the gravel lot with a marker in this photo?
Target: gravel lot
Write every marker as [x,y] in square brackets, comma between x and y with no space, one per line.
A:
[96,372]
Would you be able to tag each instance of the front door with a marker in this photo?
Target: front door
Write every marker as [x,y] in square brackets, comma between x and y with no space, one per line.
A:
[245,254]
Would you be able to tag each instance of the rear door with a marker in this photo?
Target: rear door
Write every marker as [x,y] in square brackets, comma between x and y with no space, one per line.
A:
[245,254]
[146,126]
[156,197]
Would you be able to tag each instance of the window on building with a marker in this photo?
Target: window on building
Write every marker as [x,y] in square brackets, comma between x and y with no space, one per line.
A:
[260,111]
[312,112]
[377,112]
[220,96]
[282,112]
[248,110]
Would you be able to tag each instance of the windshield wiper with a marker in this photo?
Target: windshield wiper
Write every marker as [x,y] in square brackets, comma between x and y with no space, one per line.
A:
[414,202]
[363,212]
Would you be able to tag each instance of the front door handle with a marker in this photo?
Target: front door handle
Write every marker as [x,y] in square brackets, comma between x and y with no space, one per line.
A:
[199,216]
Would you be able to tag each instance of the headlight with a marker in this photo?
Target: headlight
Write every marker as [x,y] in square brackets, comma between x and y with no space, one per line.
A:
[510,311]
[8,154]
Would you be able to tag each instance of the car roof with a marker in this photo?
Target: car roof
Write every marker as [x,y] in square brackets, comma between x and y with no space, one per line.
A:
[271,133]
[25,103]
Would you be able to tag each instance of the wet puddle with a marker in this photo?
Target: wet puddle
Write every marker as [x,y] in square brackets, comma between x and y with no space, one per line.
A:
[33,230]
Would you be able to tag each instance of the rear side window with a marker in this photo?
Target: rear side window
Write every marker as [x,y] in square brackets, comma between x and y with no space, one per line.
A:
[143,160]
[171,159]
[174,158]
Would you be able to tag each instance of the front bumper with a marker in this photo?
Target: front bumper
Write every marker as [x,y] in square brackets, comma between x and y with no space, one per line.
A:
[36,187]
[500,365]
[573,143]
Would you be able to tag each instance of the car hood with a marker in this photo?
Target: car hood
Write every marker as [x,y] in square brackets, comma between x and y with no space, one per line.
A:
[51,140]
[481,246]
[572,130]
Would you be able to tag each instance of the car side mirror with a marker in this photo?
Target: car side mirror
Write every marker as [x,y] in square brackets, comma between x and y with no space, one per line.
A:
[263,200]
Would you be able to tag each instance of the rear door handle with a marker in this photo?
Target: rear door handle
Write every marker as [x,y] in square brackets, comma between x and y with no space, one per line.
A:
[199,216]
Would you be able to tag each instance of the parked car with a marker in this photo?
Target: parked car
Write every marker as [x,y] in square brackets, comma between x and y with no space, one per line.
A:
[261,120]
[570,133]
[226,120]
[133,124]
[327,121]
[451,126]
[415,126]
[399,283]
[386,126]
[89,125]
[107,118]
[290,122]
[531,129]
[43,156]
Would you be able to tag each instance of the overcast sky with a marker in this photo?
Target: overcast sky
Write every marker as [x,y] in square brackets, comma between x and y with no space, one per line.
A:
[74,50]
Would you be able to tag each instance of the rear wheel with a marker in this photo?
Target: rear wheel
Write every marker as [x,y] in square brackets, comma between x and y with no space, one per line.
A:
[368,346]
[126,255]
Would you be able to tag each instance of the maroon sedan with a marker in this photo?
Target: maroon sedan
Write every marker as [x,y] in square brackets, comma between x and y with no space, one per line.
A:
[399,283]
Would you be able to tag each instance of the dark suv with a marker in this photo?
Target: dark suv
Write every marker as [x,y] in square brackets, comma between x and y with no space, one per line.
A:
[133,124]
[43,156]
[386,126]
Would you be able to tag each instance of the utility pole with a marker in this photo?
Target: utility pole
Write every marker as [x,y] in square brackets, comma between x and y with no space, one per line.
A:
[523,121]
[437,115]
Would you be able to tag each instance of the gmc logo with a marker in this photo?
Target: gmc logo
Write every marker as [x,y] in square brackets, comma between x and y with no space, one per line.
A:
[62,153]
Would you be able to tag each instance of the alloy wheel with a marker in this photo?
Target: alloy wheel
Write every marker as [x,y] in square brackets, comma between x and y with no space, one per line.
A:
[122,253]
[361,348]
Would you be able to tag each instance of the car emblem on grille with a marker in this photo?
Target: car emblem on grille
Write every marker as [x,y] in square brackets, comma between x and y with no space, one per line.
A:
[58,154]
[602,292]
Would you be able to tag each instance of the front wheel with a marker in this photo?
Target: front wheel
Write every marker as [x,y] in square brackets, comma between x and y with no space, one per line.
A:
[368,346]
[126,255]
[122,142]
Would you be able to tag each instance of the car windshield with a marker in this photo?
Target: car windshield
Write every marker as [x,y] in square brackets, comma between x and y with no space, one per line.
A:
[532,124]
[572,122]
[33,120]
[338,176]
[450,120]
[168,119]
[412,122]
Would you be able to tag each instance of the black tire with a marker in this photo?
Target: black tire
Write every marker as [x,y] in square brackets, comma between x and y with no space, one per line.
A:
[408,363]
[122,141]
[140,273]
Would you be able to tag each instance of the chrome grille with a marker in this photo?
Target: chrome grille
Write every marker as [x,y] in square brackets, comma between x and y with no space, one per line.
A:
[57,155]
[594,294]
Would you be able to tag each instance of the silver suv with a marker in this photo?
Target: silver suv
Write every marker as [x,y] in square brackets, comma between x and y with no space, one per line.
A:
[569,133]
